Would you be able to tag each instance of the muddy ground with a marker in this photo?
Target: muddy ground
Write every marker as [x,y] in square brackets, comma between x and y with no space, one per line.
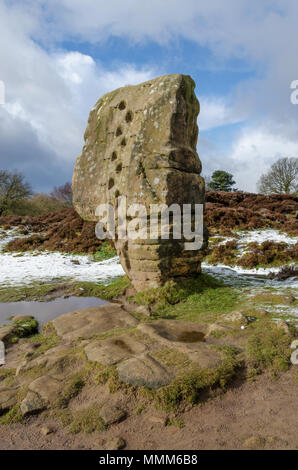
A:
[255,412]
[252,415]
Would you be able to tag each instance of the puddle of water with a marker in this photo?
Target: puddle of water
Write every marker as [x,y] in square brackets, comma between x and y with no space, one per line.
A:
[46,311]
[191,337]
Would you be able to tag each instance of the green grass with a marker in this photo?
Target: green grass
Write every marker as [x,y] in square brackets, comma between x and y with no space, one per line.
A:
[26,327]
[71,389]
[177,422]
[108,376]
[13,416]
[45,292]
[106,252]
[87,420]
[48,339]
[90,289]
[6,376]
[189,386]
[268,348]
[189,300]
[22,329]
[34,291]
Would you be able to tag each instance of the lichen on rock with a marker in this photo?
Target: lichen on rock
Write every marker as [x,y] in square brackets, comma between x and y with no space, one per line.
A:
[140,142]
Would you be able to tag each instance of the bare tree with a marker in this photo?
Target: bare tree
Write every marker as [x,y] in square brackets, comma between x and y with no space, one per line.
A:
[13,189]
[63,193]
[281,178]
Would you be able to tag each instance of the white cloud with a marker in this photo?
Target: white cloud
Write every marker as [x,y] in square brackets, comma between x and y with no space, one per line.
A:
[216,112]
[255,151]
[48,98]
[250,155]
[49,92]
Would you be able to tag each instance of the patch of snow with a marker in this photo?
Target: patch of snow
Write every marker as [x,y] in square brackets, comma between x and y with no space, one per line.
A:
[261,236]
[247,277]
[49,266]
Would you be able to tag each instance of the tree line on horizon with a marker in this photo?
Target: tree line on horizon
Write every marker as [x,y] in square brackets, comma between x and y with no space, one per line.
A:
[17,197]
[282,178]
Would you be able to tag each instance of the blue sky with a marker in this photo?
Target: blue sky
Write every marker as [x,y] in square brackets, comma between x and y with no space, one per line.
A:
[58,57]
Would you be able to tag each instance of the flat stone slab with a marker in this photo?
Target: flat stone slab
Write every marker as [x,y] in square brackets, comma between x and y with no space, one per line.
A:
[32,404]
[175,331]
[92,321]
[8,398]
[6,332]
[113,350]
[46,387]
[112,414]
[187,337]
[142,371]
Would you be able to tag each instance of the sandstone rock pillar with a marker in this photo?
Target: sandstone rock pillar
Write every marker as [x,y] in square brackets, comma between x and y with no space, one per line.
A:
[140,142]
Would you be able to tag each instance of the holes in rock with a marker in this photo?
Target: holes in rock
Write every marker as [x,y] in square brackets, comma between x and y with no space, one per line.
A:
[119,168]
[111,183]
[117,193]
[191,337]
[122,105]
[121,344]
[114,156]
[128,117]
[118,131]
[123,142]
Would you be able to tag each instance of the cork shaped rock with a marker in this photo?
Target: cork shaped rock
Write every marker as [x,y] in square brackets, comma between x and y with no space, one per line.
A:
[140,143]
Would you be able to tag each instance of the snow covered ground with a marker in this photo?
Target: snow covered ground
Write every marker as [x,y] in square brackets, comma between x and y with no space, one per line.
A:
[25,268]
[255,276]
[237,276]
[256,279]
[261,236]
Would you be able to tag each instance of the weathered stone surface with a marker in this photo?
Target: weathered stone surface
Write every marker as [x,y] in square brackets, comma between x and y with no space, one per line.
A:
[22,326]
[8,398]
[217,328]
[112,414]
[6,332]
[282,324]
[156,419]
[32,404]
[92,321]
[174,331]
[234,317]
[187,337]
[140,142]
[22,317]
[46,430]
[116,443]
[112,350]
[47,388]
[21,367]
[143,370]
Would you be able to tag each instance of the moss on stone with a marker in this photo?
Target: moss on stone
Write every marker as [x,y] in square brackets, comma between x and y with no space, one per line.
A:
[187,388]
[71,389]
[189,299]
[13,416]
[268,348]
[87,420]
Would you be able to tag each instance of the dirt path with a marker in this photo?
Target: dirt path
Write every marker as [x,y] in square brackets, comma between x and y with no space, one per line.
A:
[263,412]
